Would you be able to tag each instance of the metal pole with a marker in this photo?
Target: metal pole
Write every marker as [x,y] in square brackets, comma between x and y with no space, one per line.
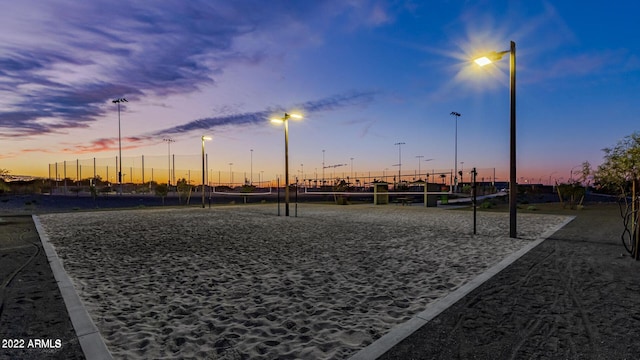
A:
[399,160]
[251,170]
[455,161]
[322,169]
[203,172]
[169,141]
[119,150]
[286,165]
[352,168]
[474,189]
[118,101]
[634,219]
[278,186]
[636,227]
[513,190]
[208,176]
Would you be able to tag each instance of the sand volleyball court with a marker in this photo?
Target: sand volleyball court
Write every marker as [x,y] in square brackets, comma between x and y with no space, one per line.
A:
[239,282]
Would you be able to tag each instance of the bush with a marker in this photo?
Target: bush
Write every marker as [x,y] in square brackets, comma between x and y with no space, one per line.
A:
[4,187]
[487,205]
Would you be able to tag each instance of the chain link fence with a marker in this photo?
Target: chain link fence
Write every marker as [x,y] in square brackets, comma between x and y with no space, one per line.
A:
[143,173]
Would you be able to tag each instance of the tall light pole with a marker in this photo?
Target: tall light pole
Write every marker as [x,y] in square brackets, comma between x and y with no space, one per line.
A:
[251,170]
[322,169]
[455,160]
[285,121]
[351,168]
[399,159]
[427,172]
[203,171]
[230,176]
[513,191]
[169,141]
[118,101]
[419,157]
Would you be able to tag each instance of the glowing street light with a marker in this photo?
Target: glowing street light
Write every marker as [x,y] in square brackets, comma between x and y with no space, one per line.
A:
[204,137]
[285,121]
[118,101]
[513,191]
[482,61]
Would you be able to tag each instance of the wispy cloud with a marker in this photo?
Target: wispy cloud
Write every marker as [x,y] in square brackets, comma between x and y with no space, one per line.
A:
[330,103]
[108,144]
[61,63]
[579,65]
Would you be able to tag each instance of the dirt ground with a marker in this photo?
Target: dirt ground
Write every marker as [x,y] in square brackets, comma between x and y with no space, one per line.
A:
[31,307]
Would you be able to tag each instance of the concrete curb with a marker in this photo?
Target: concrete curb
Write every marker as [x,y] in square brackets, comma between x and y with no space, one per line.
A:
[402,331]
[91,341]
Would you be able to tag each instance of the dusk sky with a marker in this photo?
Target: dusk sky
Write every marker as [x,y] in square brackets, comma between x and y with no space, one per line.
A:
[365,74]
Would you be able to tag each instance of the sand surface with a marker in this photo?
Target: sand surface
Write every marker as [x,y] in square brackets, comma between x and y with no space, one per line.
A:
[240,282]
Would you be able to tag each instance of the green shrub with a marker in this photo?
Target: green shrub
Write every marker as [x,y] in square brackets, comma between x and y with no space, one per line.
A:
[487,205]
